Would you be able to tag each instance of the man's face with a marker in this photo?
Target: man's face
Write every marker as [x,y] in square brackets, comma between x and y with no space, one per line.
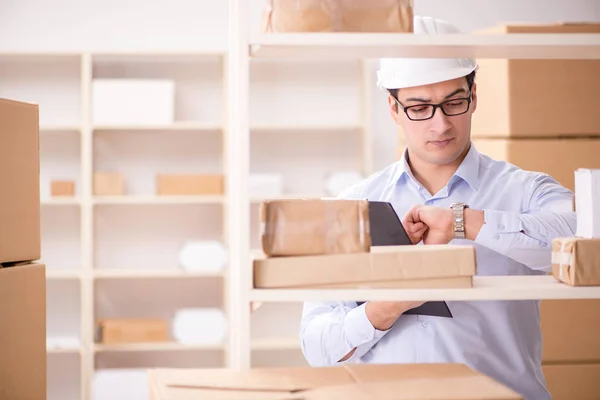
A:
[441,139]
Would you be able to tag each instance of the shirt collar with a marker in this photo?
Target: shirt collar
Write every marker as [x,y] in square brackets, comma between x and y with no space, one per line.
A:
[468,170]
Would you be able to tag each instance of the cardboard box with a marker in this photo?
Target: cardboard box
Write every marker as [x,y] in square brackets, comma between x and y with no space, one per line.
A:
[109,184]
[133,101]
[23,332]
[348,382]
[573,381]
[338,16]
[62,188]
[576,261]
[556,157]
[130,330]
[190,184]
[519,98]
[19,182]
[570,330]
[305,227]
[430,266]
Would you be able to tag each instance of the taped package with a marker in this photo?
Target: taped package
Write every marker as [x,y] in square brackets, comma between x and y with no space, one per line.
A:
[576,261]
[314,227]
[285,16]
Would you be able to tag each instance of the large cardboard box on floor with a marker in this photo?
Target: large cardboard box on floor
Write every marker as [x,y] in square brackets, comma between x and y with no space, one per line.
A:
[19,182]
[431,266]
[348,382]
[538,98]
[556,157]
[23,332]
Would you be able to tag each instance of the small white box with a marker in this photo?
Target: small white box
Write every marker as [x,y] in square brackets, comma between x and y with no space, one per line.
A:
[133,102]
[587,202]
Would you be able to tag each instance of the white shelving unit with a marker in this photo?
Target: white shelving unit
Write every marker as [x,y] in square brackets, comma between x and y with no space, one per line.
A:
[245,48]
[107,255]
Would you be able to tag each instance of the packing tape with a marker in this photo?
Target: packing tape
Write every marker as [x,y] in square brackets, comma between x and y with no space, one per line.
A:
[564,260]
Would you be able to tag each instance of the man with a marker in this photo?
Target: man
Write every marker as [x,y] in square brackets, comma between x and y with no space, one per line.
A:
[509,215]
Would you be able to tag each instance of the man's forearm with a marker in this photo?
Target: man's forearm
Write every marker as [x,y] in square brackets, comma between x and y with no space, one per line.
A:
[526,238]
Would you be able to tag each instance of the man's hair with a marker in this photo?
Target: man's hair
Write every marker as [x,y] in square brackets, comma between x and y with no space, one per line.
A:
[470,80]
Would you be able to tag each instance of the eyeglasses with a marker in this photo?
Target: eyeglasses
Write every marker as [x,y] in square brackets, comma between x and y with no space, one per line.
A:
[450,108]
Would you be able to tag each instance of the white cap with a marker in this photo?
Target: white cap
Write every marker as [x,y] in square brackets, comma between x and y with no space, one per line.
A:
[397,73]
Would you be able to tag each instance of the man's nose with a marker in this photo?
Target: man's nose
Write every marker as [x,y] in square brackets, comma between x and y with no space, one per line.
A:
[439,122]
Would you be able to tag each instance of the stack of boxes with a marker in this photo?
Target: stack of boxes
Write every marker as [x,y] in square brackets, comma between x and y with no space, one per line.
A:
[572,346]
[540,115]
[328,243]
[22,279]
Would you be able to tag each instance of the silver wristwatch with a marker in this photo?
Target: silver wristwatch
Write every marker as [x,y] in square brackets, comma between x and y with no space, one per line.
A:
[458,219]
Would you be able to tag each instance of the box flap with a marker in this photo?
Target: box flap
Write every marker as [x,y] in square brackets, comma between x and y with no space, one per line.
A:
[533,27]
[349,382]
[441,388]
[285,380]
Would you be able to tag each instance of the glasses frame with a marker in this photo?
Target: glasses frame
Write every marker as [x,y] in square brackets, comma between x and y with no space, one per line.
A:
[469,99]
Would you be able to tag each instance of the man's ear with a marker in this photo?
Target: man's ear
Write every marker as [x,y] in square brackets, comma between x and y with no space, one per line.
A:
[393,108]
[474,98]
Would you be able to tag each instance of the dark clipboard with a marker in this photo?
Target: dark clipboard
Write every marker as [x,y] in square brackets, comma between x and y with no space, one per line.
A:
[387,230]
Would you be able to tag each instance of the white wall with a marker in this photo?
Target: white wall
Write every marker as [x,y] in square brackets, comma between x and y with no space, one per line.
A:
[96,25]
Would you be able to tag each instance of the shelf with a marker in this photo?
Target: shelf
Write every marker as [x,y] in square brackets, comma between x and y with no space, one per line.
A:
[60,201]
[305,127]
[62,274]
[264,344]
[150,199]
[153,56]
[151,274]
[543,287]
[60,129]
[381,45]
[176,127]
[152,347]
[63,350]
[260,199]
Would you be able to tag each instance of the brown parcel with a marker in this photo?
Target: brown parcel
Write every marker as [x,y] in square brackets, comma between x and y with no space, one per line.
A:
[431,266]
[130,330]
[19,182]
[305,227]
[189,184]
[348,382]
[573,381]
[109,184]
[556,157]
[62,188]
[338,16]
[576,261]
[23,332]
[512,92]
[570,331]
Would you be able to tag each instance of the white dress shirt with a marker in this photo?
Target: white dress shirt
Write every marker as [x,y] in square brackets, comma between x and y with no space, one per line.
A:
[523,212]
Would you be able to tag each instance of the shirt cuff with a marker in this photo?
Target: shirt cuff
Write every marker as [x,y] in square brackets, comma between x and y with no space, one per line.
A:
[359,329]
[497,224]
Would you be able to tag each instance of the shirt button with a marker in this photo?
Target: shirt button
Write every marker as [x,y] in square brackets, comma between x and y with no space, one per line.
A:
[501,226]
[425,324]
[497,237]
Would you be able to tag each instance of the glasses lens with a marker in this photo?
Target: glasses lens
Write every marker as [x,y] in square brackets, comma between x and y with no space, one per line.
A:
[419,112]
[454,107]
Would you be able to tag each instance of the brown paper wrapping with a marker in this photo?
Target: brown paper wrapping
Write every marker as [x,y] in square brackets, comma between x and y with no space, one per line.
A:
[338,16]
[576,261]
[314,227]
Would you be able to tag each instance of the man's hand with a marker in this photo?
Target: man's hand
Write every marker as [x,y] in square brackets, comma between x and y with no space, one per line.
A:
[434,225]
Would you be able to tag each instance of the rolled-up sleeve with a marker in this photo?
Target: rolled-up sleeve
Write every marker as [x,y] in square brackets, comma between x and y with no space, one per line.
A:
[330,330]
[527,237]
